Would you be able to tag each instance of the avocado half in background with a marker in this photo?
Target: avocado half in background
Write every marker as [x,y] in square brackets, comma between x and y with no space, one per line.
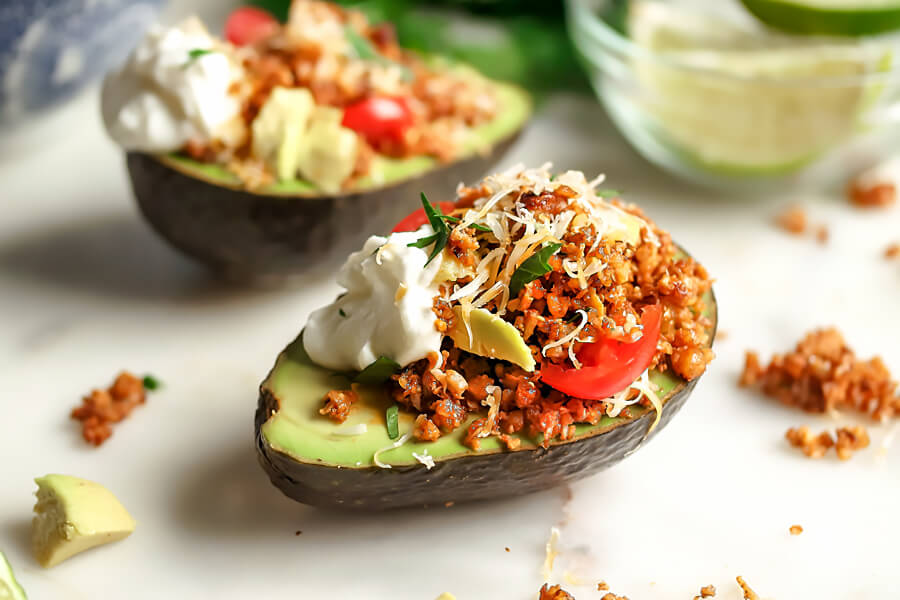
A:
[269,234]
[315,461]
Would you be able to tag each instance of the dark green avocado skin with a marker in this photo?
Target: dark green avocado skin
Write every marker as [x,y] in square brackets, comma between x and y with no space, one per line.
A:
[492,476]
[263,239]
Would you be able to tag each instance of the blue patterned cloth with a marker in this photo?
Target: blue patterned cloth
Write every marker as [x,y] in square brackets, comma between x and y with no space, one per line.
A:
[51,48]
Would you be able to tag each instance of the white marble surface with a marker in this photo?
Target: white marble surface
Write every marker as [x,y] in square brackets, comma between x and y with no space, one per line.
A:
[87,289]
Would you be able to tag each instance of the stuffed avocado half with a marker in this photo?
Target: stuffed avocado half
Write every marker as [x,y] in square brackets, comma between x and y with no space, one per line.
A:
[279,146]
[527,334]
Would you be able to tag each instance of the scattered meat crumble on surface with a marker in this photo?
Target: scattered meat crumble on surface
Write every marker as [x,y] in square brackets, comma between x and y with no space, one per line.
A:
[872,196]
[822,234]
[849,440]
[796,529]
[749,594]
[707,591]
[554,593]
[813,446]
[101,408]
[823,374]
[793,220]
[892,251]
[602,587]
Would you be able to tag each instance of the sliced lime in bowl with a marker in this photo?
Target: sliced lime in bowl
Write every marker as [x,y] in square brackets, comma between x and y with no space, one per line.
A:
[742,102]
[828,17]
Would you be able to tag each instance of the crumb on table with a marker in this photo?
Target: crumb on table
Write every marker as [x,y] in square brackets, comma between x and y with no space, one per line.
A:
[793,220]
[602,587]
[749,594]
[872,195]
[813,446]
[892,251]
[101,408]
[796,529]
[846,441]
[823,374]
[707,591]
[822,234]
[849,440]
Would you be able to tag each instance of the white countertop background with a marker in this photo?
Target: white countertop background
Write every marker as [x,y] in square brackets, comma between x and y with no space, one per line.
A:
[86,289]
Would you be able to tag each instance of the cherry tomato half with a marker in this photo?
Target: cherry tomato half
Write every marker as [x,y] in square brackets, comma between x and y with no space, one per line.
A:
[248,25]
[379,119]
[417,218]
[608,366]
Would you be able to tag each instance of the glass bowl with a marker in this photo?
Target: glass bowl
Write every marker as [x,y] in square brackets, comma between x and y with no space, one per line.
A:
[729,104]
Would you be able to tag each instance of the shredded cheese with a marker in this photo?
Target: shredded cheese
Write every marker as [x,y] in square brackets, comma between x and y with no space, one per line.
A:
[572,335]
[550,553]
[646,387]
[399,442]
[425,459]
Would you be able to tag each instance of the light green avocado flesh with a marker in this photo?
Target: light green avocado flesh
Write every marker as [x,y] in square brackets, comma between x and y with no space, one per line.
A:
[9,587]
[299,431]
[514,108]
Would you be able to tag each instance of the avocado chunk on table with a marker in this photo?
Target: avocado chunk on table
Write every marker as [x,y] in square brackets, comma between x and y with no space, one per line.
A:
[73,515]
[9,587]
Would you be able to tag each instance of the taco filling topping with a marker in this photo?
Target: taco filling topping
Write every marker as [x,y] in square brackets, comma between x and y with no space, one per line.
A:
[318,98]
[531,300]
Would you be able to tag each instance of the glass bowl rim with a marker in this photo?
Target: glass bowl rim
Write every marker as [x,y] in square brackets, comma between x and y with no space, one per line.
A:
[605,38]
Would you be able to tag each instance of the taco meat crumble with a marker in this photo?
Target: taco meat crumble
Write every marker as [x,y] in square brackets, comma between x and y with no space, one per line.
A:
[823,374]
[545,311]
[103,407]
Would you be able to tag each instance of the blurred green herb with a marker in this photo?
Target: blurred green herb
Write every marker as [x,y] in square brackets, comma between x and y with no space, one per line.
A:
[151,383]
[366,51]
[194,54]
[377,372]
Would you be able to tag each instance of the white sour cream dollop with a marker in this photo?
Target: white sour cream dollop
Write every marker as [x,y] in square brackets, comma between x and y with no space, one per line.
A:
[386,311]
[162,97]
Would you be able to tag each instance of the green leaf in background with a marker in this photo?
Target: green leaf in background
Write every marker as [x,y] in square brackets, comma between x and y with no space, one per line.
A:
[522,41]
[366,51]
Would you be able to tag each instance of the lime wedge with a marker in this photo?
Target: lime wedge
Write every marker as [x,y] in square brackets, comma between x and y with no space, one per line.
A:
[755,105]
[828,17]
[9,587]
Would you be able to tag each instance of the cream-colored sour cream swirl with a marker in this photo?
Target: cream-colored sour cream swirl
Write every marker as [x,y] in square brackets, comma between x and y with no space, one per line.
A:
[386,310]
[179,84]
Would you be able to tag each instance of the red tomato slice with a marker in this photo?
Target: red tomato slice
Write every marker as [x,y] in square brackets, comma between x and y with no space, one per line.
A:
[379,119]
[248,25]
[608,366]
[417,218]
